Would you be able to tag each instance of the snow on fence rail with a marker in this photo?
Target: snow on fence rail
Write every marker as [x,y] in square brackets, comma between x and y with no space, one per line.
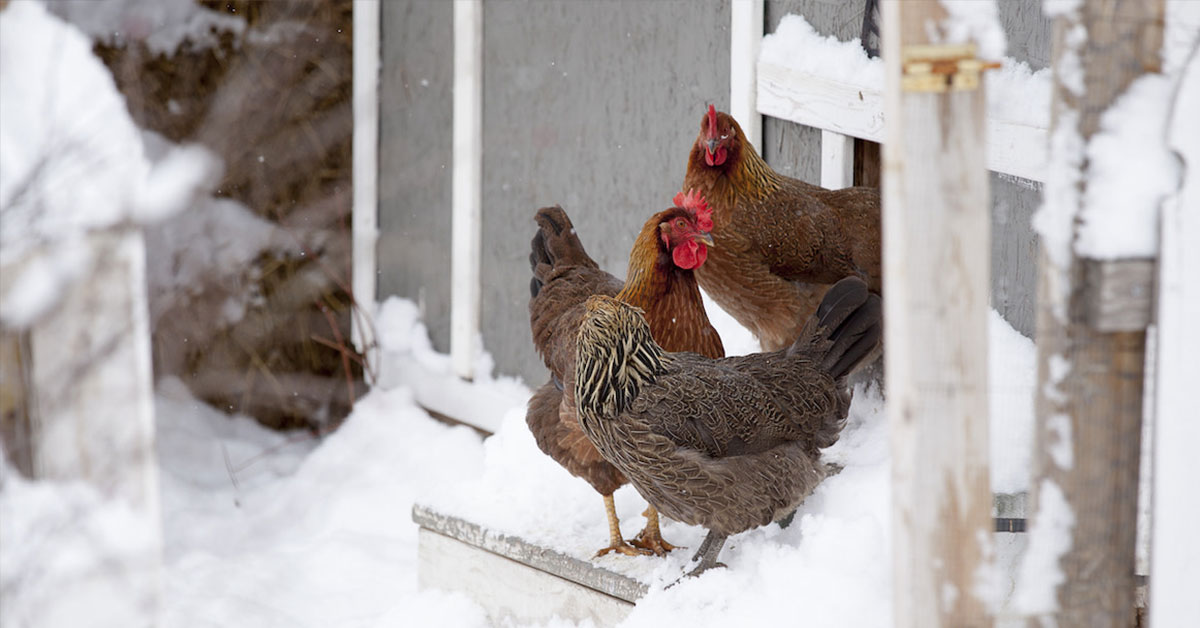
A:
[831,85]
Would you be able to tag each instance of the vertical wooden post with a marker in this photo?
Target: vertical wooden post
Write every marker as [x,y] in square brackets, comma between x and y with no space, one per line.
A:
[1089,401]
[837,160]
[466,187]
[936,258]
[365,220]
[745,37]
[1174,553]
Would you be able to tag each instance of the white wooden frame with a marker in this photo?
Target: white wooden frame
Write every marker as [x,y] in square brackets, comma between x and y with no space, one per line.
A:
[466,187]
[1174,556]
[745,38]
[365,219]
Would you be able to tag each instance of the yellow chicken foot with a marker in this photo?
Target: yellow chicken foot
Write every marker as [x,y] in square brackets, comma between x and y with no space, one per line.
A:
[650,538]
[616,543]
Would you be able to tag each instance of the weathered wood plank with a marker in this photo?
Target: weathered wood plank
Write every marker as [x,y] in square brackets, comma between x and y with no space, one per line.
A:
[856,109]
[1118,295]
[1089,397]
[837,160]
[545,559]
[936,254]
[510,591]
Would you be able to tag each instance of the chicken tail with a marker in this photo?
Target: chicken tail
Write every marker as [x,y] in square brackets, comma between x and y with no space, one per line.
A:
[845,330]
[554,245]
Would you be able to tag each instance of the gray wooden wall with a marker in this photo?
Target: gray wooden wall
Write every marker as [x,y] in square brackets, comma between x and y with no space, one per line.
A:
[593,105]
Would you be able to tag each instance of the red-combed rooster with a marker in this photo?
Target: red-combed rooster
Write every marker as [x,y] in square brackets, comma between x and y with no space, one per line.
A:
[780,242]
[660,281]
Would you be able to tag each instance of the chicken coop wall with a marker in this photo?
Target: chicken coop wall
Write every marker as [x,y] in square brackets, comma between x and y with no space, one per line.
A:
[593,106]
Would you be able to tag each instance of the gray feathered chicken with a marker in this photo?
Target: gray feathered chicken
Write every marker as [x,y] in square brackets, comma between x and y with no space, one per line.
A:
[728,444]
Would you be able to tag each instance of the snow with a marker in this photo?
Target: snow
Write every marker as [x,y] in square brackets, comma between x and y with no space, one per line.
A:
[974,21]
[1119,218]
[1015,93]
[72,162]
[1049,539]
[164,25]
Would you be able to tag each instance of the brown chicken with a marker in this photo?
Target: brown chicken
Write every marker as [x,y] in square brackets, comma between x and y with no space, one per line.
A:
[780,242]
[728,444]
[660,280]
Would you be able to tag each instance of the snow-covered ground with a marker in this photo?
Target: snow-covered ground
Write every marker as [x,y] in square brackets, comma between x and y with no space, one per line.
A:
[269,529]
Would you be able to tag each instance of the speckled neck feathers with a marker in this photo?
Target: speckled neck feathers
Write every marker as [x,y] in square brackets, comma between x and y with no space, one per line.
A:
[615,357]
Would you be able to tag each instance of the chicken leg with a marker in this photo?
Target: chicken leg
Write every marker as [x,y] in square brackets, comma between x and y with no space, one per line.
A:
[616,543]
[707,554]
[651,537]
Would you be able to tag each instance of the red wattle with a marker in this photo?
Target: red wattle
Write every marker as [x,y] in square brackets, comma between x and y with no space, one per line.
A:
[689,255]
[708,158]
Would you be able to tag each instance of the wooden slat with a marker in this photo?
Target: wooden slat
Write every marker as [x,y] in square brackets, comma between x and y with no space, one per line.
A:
[365,220]
[1089,394]
[856,109]
[745,37]
[466,187]
[1174,552]
[936,256]
[837,160]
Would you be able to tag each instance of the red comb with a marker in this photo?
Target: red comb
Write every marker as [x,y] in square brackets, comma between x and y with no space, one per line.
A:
[712,121]
[695,204]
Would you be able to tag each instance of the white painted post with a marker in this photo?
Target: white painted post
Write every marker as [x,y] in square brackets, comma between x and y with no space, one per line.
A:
[837,160]
[745,37]
[1174,553]
[93,399]
[466,186]
[365,220]
[936,262]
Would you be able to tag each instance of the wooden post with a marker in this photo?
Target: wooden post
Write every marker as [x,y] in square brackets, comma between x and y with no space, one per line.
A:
[745,37]
[466,187]
[1174,553]
[837,160]
[1089,401]
[365,220]
[936,258]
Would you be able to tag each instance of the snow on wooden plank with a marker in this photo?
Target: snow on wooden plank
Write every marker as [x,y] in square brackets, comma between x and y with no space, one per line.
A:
[856,109]
[544,559]
[510,591]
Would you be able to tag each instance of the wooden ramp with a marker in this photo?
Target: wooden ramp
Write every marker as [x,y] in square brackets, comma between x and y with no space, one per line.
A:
[516,580]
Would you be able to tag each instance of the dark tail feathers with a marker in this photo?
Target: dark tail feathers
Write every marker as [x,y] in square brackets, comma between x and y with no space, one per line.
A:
[555,244]
[845,330]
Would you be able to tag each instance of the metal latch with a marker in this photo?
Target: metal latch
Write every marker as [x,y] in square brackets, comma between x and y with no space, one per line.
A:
[930,68]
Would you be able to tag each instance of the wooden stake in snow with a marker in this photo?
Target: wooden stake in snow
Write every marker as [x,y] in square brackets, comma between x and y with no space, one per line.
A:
[1089,403]
[936,256]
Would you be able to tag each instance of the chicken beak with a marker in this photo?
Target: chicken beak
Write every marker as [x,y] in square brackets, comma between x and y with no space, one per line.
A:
[711,145]
[703,237]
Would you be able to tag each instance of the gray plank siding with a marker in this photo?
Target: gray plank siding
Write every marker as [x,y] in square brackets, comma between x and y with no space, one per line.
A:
[591,105]
[415,123]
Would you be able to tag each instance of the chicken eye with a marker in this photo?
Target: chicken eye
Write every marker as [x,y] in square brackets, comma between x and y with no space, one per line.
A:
[725,136]
[679,223]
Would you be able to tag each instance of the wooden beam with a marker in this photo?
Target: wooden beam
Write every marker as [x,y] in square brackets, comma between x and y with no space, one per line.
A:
[856,109]
[365,219]
[466,187]
[745,37]
[936,255]
[1089,400]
